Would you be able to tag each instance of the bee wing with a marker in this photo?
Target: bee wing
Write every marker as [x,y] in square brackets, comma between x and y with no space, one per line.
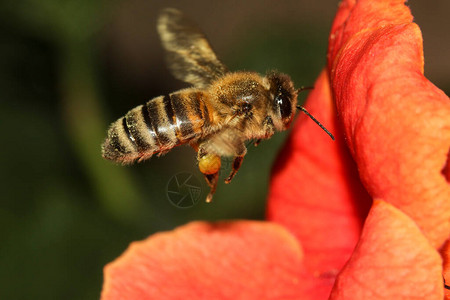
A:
[189,54]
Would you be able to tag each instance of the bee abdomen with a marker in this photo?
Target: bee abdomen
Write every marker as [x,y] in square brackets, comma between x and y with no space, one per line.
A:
[157,126]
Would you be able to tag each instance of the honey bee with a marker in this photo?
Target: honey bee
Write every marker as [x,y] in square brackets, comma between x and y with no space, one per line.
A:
[216,116]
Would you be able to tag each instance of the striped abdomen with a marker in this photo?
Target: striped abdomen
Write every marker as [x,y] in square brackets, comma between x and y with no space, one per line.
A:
[157,126]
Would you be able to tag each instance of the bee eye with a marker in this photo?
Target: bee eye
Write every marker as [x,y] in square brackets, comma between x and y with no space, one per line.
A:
[284,103]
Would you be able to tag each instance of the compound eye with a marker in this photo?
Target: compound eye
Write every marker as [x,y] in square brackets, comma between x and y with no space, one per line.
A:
[284,103]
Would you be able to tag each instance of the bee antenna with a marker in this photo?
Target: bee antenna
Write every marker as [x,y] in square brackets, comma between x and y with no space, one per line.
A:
[314,119]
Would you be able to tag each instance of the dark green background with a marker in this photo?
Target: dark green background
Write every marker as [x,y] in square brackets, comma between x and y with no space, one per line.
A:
[69,68]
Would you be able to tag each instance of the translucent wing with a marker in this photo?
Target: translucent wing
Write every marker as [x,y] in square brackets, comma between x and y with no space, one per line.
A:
[189,54]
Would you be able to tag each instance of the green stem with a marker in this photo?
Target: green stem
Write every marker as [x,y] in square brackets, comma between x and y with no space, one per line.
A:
[86,127]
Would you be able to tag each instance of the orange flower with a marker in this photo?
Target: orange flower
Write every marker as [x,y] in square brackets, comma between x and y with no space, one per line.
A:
[229,260]
[393,138]
[396,123]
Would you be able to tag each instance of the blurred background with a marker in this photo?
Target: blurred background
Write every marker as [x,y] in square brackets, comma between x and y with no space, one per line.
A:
[70,68]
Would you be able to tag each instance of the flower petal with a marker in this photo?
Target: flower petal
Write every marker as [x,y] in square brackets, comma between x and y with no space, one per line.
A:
[315,191]
[393,260]
[229,260]
[396,122]
[355,17]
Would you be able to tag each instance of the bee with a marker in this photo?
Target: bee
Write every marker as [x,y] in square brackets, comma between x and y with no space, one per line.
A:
[215,116]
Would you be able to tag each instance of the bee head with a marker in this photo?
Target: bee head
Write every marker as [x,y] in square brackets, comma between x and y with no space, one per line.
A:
[284,103]
[284,97]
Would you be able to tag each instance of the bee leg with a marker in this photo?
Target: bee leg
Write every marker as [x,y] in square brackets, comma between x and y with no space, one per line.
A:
[209,165]
[269,129]
[237,162]
[212,180]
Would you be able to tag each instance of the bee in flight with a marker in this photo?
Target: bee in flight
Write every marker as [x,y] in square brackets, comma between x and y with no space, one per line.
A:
[216,116]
